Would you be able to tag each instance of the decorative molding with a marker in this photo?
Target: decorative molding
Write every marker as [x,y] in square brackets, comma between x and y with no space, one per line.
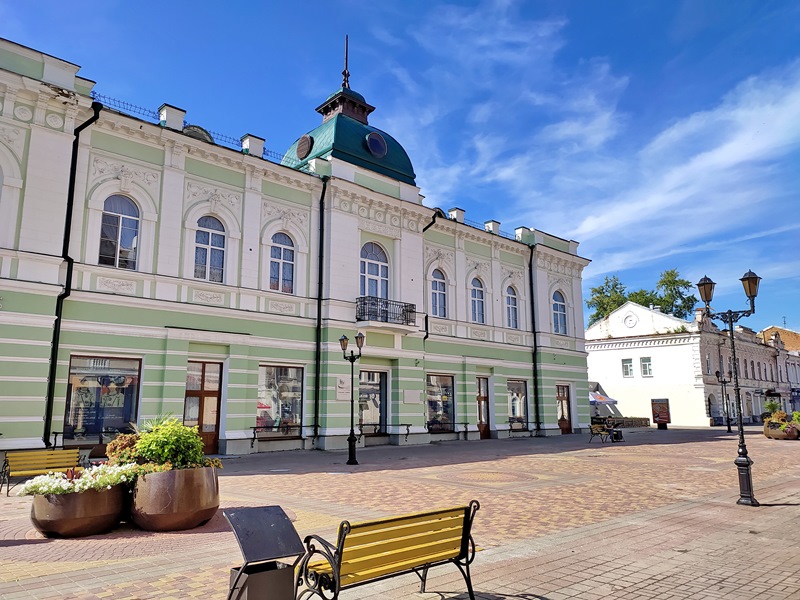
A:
[515,275]
[480,266]
[23,113]
[556,281]
[560,266]
[380,228]
[440,255]
[214,196]
[271,212]
[284,308]
[126,175]
[55,121]
[513,338]
[14,138]
[440,328]
[120,286]
[560,343]
[479,334]
[208,297]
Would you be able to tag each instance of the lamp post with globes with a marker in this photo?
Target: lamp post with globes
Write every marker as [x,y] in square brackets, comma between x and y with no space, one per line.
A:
[352,358]
[750,283]
[725,405]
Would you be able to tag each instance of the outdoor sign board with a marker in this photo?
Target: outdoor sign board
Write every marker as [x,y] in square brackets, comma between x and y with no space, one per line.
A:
[660,410]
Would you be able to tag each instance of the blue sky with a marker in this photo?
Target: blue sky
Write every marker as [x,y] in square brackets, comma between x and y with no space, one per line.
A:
[659,135]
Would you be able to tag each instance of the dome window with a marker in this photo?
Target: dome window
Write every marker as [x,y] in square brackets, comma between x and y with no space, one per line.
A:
[304,146]
[376,144]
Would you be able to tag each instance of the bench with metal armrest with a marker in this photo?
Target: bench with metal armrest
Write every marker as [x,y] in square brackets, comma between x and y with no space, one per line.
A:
[376,550]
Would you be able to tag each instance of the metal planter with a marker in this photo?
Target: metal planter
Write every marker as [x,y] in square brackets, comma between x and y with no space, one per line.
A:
[175,500]
[78,514]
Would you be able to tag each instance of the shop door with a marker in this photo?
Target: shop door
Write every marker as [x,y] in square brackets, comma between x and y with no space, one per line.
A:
[201,405]
[483,407]
[562,401]
[372,402]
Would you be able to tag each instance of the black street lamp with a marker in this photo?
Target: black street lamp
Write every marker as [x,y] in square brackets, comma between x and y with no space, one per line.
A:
[750,283]
[723,381]
[352,358]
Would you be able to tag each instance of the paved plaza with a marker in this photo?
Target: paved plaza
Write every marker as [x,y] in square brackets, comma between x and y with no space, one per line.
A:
[651,518]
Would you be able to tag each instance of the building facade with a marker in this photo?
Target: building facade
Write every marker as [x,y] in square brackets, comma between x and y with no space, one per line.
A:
[147,268]
[640,354]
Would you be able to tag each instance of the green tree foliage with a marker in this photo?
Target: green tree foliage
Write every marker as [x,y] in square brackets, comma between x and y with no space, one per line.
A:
[671,296]
[606,298]
[673,293]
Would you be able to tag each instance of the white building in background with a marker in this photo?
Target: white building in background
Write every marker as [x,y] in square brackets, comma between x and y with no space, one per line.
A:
[639,354]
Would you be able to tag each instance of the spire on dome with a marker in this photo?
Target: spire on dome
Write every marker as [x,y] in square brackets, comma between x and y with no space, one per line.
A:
[346,73]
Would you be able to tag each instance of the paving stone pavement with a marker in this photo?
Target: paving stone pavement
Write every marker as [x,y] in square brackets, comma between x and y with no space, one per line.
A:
[652,518]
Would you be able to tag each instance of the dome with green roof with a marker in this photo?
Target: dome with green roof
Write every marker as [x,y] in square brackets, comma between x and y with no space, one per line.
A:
[345,134]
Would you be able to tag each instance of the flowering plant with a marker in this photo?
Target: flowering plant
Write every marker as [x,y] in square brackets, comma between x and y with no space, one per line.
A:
[101,477]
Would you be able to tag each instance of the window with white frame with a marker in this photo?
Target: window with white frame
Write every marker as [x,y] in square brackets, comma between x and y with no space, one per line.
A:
[374,271]
[477,302]
[512,315]
[559,314]
[281,264]
[647,366]
[438,294]
[119,233]
[209,249]
[627,367]
[518,404]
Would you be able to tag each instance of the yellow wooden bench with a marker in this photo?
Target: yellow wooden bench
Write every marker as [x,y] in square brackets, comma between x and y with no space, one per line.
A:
[28,463]
[375,550]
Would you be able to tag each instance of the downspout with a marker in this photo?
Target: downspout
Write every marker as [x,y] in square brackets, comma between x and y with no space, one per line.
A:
[51,376]
[436,213]
[535,345]
[320,272]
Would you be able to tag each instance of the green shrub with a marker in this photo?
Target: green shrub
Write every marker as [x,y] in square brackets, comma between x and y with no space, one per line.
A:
[796,416]
[122,449]
[172,442]
[771,406]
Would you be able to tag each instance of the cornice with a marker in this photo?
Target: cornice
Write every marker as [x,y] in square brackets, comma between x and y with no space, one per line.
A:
[384,217]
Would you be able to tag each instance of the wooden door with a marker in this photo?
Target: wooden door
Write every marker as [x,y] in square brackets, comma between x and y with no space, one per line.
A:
[201,404]
[483,407]
[562,403]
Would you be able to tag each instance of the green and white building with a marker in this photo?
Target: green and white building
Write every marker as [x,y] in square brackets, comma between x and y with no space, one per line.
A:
[149,268]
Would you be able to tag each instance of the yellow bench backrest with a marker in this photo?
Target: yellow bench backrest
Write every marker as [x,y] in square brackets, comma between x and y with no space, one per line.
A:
[42,460]
[377,548]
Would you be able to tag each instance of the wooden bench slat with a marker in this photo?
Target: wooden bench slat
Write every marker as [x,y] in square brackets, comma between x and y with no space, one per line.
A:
[414,555]
[30,472]
[391,545]
[363,576]
[26,463]
[406,520]
[363,538]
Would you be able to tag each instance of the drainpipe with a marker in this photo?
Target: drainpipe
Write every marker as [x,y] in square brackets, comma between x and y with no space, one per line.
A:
[320,268]
[436,213]
[535,345]
[51,376]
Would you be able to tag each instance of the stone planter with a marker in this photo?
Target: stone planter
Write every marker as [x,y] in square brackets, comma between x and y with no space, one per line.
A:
[78,514]
[175,500]
[775,433]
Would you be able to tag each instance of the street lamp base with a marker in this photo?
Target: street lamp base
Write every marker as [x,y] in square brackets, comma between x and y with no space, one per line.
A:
[748,501]
[746,497]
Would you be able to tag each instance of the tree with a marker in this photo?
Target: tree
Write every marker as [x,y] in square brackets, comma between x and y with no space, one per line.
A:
[606,298]
[673,296]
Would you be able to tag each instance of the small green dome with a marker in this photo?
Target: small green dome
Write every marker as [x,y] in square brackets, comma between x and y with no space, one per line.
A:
[349,140]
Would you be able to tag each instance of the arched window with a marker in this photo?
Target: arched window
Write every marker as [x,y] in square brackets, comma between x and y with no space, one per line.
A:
[771,374]
[512,316]
[752,370]
[746,376]
[374,271]
[209,250]
[281,264]
[438,294]
[759,371]
[476,296]
[119,233]
[559,314]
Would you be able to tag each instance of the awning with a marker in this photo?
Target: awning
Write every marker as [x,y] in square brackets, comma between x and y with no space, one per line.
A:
[598,398]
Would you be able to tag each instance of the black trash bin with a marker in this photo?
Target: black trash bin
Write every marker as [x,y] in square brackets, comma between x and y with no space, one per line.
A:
[264,534]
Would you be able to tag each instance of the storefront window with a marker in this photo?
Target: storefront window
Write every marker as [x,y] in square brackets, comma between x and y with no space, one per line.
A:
[102,398]
[517,405]
[440,395]
[280,400]
[371,402]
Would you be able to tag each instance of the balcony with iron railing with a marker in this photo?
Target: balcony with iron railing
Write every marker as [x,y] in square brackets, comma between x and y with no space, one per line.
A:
[386,314]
